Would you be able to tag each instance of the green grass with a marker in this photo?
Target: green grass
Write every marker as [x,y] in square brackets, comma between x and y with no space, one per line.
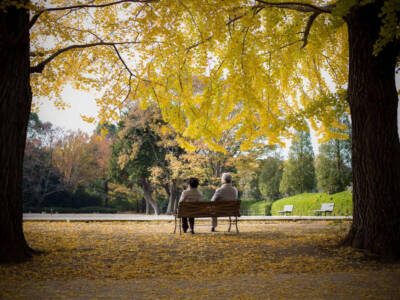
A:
[246,204]
[304,204]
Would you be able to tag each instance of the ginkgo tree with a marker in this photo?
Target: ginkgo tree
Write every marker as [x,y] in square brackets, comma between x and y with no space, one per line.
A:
[263,68]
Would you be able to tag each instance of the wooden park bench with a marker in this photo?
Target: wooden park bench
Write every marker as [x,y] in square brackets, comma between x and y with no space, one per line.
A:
[208,209]
[286,209]
[325,207]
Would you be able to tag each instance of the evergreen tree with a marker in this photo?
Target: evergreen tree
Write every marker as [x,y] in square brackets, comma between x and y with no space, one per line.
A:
[270,178]
[333,167]
[299,172]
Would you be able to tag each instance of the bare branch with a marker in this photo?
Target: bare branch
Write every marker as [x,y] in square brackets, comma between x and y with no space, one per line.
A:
[39,67]
[37,15]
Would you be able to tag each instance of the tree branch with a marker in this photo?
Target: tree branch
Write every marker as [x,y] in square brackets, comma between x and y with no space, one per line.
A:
[304,7]
[198,44]
[39,67]
[308,28]
[37,15]
[193,19]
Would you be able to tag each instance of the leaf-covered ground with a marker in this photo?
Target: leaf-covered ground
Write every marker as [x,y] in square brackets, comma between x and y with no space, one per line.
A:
[144,260]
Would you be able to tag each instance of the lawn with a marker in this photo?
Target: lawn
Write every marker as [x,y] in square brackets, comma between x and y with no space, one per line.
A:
[305,204]
[144,260]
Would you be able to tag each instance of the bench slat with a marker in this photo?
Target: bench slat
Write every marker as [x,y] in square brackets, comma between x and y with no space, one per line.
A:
[209,209]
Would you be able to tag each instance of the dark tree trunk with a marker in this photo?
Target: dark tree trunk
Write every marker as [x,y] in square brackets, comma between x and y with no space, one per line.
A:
[107,199]
[376,148]
[143,205]
[15,106]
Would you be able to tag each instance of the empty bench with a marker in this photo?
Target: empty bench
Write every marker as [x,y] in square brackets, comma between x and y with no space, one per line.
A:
[208,209]
[286,209]
[325,208]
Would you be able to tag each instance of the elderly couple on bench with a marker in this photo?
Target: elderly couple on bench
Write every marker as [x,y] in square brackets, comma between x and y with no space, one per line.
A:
[225,193]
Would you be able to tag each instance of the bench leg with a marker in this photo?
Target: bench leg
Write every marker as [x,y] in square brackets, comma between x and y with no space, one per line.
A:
[230,223]
[180,225]
[236,221]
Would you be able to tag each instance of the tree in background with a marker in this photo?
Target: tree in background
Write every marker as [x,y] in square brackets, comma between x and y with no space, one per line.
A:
[299,172]
[333,164]
[271,170]
[135,151]
[101,144]
[333,174]
[63,169]
[40,177]
[124,198]
[75,158]
[174,174]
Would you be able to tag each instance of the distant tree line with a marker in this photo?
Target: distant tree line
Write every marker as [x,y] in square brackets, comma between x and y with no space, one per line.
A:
[138,165]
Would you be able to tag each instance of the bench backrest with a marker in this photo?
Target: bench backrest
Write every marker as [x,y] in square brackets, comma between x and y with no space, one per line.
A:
[209,209]
[327,206]
[288,208]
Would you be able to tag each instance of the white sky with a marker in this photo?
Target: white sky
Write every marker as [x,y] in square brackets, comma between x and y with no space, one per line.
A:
[70,119]
[84,103]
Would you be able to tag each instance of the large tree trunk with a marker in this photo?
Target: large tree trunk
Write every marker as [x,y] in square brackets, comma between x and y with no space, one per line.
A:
[376,148]
[15,106]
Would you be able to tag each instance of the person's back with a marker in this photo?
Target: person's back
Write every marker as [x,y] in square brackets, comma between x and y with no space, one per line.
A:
[225,193]
[190,195]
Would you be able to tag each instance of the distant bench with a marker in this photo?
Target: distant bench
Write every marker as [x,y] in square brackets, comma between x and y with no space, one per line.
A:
[286,209]
[325,208]
[208,209]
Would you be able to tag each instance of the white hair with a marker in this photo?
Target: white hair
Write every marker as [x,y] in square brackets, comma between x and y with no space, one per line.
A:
[227,178]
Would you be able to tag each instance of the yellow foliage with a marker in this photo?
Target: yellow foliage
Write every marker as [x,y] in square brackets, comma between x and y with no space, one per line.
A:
[210,66]
[240,265]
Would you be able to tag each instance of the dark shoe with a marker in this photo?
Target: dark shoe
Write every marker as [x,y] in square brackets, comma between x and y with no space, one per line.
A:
[212,229]
[184,230]
[191,231]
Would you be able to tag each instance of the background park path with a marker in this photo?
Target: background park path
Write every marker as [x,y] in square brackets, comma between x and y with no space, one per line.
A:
[143,217]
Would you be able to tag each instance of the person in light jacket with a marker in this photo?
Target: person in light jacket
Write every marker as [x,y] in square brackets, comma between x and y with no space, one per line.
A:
[191,194]
[225,193]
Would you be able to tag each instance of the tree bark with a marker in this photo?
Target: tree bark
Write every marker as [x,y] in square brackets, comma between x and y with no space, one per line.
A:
[15,107]
[173,198]
[376,148]
[147,194]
